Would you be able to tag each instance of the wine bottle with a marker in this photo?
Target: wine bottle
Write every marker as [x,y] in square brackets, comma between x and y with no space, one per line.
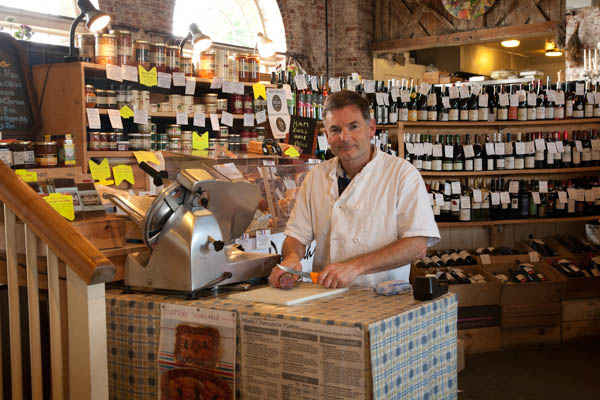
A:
[436,160]
[531,104]
[558,155]
[519,158]
[458,162]
[597,101]
[453,113]
[459,275]
[412,105]
[523,201]
[541,247]
[566,154]
[549,100]
[529,153]
[548,155]
[513,105]
[539,153]
[559,103]
[464,107]
[427,154]
[403,104]
[468,154]
[588,102]
[485,202]
[473,105]
[469,259]
[432,111]
[483,112]
[475,205]
[441,107]
[522,110]
[514,204]
[528,271]
[516,276]
[575,153]
[448,161]
[492,105]
[503,102]
[498,151]
[488,154]
[586,153]
[540,107]
[422,107]
[578,104]
[509,156]
[465,209]
[568,100]
[478,158]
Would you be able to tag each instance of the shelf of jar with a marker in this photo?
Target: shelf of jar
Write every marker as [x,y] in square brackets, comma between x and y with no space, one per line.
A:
[204,81]
[505,172]
[173,114]
[462,124]
[516,221]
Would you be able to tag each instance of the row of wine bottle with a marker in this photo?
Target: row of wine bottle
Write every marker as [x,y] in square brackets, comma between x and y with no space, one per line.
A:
[571,270]
[455,257]
[481,199]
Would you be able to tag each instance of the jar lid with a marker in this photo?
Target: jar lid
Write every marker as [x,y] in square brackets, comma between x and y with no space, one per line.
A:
[173,125]
[141,41]
[51,143]
[106,35]
[159,44]
[119,31]
[122,142]
[89,86]
[25,142]
[173,46]
[134,135]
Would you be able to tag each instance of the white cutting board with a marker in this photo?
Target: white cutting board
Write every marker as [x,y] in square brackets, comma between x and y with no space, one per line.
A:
[301,293]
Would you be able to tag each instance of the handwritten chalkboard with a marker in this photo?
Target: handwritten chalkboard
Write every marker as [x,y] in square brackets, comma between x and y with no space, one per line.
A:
[302,134]
[18,105]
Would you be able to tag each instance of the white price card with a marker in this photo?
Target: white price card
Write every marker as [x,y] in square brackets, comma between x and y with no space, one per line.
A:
[190,86]
[590,98]
[579,194]
[216,83]
[418,149]
[562,197]
[560,98]
[534,257]
[520,147]
[449,151]
[395,93]
[522,95]
[261,117]
[93,115]
[551,146]
[227,118]
[453,92]
[559,146]
[424,88]
[483,100]
[379,99]
[393,117]
[334,84]
[543,185]
[178,79]
[140,116]
[503,99]
[439,199]
[369,86]
[572,193]
[485,259]
[508,148]
[468,150]
[579,88]
[248,119]
[455,187]
[536,197]
[447,189]
[495,198]
[427,148]
[595,144]
[238,88]
[214,122]
[114,73]
[437,150]
[431,100]
[596,97]
[130,73]
[181,118]
[386,99]
[446,101]
[464,92]
[531,99]
[164,80]
[590,195]
[477,196]
[489,149]
[529,147]
[409,148]
[300,80]
[263,239]
[540,144]
[475,89]
[513,186]
[227,87]
[314,84]
[578,146]
[465,202]
[352,84]
[551,95]
[322,142]
[229,170]
[405,96]
[115,119]
[499,148]
[288,92]
[199,119]
[504,198]
[355,76]
[514,100]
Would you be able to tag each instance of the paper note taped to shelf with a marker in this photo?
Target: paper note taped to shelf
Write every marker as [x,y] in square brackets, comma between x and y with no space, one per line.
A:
[126,112]
[123,173]
[62,203]
[148,78]
[261,117]
[259,91]
[181,118]
[190,86]
[199,119]
[200,142]
[238,88]
[248,119]
[214,122]
[130,73]
[27,176]
[93,115]
[164,80]
[229,170]
[227,118]
[178,79]
[101,172]
[114,73]
[146,156]
[533,256]
[140,116]
[216,83]
[115,119]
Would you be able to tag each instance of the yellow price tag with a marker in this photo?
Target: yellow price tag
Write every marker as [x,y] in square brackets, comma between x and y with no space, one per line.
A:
[101,172]
[62,203]
[291,152]
[146,156]
[27,176]
[123,173]
[126,112]
[259,91]
[200,142]
[148,78]
[200,153]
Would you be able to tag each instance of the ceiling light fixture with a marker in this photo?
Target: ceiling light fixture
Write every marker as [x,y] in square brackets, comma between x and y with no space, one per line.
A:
[510,43]
[552,50]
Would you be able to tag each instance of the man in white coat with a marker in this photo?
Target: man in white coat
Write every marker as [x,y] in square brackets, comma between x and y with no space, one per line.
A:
[369,212]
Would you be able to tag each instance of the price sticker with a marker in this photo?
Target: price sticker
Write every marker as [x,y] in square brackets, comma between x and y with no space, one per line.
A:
[395,93]
[300,80]
[334,84]
[503,99]
[427,148]
[559,146]
[489,149]
[439,199]
[447,189]
[514,100]
[551,95]
[115,119]
[227,118]
[596,97]
[199,142]
[499,148]
[62,203]
[572,193]
[446,101]
[590,98]
[101,172]
[199,119]
[465,202]
[424,88]
[393,117]
[513,186]
[562,197]
[140,116]
[27,176]
[355,76]
[520,147]
[468,150]
[379,98]
[578,146]
[477,196]
[437,150]
[369,86]
[214,122]
[314,84]
[259,91]
[531,99]
[409,148]
[181,118]
[449,151]
[495,198]
[123,173]
[227,87]
[533,256]
[540,144]
[93,115]
[431,99]
[483,100]
[464,92]
[263,239]
[238,88]
[560,98]
[590,195]
[455,187]
[261,117]
[595,144]
[522,95]
[597,192]
[508,148]
[476,89]
[536,197]
[164,80]
[579,88]
[216,83]
[405,96]
[453,92]
[386,99]
[146,156]
[114,73]
[418,149]
[229,170]
[504,198]
[579,194]
[543,185]
[530,147]
[129,72]
[178,79]
[190,86]
[552,147]
[248,119]
[485,259]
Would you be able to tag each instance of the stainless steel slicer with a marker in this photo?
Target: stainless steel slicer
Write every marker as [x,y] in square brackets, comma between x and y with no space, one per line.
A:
[188,228]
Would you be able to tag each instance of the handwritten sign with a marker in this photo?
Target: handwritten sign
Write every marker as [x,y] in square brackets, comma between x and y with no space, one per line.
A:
[27,176]
[101,172]
[148,78]
[302,134]
[123,173]
[62,203]
[200,142]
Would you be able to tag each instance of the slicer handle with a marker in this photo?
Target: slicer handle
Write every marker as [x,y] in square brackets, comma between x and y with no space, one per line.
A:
[157,176]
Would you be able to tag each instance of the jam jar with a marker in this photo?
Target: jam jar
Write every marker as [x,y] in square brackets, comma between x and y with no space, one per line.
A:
[158,56]
[242,67]
[185,66]
[142,53]
[86,46]
[206,69]
[237,103]
[94,141]
[101,100]
[111,99]
[173,62]
[248,106]
[253,68]
[23,154]
[106,49]
[6,154]
[90,96]
[46,154]
[124,47]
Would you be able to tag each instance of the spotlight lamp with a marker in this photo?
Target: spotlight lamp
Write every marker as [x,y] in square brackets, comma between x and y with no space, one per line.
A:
[96,20]
[266,47]
[200,41]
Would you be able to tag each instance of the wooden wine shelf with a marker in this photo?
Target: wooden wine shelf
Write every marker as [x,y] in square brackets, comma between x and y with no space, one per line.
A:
[506,172]
[465,124]
[516,221]
[389,126]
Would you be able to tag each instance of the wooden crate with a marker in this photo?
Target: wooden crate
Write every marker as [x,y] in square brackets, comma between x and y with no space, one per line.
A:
[480,340]
[532,336]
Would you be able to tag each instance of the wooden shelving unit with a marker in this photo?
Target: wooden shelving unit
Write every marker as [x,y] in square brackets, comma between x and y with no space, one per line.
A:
[109,154]
[516,221]
[509,172]
[466,124]
[173,114]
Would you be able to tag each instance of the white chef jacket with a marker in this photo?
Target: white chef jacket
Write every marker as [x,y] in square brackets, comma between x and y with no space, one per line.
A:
[384,202]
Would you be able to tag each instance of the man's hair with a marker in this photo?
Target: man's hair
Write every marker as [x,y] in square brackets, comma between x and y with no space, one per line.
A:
[345,98]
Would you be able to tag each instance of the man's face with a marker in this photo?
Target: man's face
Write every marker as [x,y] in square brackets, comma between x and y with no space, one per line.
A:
[349,135]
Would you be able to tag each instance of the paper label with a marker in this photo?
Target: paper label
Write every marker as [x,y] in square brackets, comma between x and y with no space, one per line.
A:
[543,185]
[552,147]
[199,142]
[115,119]
[483,100]
[178,79]
[536,197]
[140,116]
[322,143]
[533,256]
[62,203]
[123,173]
[590,195]
[395,93]
[503,99]
[453,92]
[439,199]
[199,119]
[579,88]
[485,259]
[455,187]
[164,80]
[489,149]
[597,192]
[261,117]
[427,148]
[129,72]
[334,85]
[495,198]
[146,156]
[560,98]
[559,146]
[465,202]
[300,80]
[263,239]
[259,91]
[562,197]
[190,86]
[126,112]
[93,115]
[551,95]
[447,189]
[504,198]
[181,118]
[499,148]
[216,83]
[464,92]
[579,146]
[101,172]
[248,119]
[513,186]
[114,73]
[437,150]
[449,151]
[531,99]
[476,89]
[27,176]
[424,88]
[468,150]
[405,96]
[369,86]
[227,87]
[314,84]
[214,122]
[446,102]
[227,118]
[477,196]
[238,88]
[540,144]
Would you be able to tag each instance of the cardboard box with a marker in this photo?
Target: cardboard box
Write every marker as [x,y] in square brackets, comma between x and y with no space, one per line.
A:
[578,330]
[576,288]
[460,355]
[478,316]
[449,79]
[531,315]
[581,309]
[481,340]
[533,336]
[431,76]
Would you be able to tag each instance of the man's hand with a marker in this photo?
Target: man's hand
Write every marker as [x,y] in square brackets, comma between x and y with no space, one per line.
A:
[338,275]
[276,272]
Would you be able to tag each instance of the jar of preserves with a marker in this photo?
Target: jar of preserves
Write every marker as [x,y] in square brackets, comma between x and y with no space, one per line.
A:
[104,141]
[158,56]
[260,104]
[94,141]
[174,143]
[248,106]
[6,154]
[210,108]
[142,53]
[253,68]
[232,67]
[234,142]
[186,145]
[207,65]
[260,133]
[245,139]
[237,104]
[146,141]
[221,105]
[173,58]
[90,96]
[111,141]
[223,142]
[111,99]
[187,136]
[23,154]
[186,66]
[123,146]
[242,67]
[86,43]
[101,99]
[124,47]
[46,154]
[212,144]
[221,63]
[105,48]
[224,132]
[144,100]
[174,130]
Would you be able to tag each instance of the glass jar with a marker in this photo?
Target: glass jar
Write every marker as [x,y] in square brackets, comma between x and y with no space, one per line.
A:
[104,146]
[260,133]
[223,132]
[124,47]
[232,67]
[111,99]
[206,68]
[142,53]
[187,136]
[253,68]
[212,144]
[90,96]
[105,48]
[46,154]
[158,56]
[86,43]
[94,141]
[221,105]
[260,104]
[174,143]
[248,106]
[6,155]
[123,146]
[101,99]
[146,141]
[234,142]
[186,145]
[237,104]
[111,141]
[242,67]
[245,139]
[23,154]
[221,63]
[173,58]
[185,66]
[174,130]
[223,142]
[135,141]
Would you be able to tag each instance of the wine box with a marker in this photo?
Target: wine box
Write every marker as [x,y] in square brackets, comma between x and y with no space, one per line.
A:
[576,288]
[481,340]
[581,319]
[531,337]
[530,315]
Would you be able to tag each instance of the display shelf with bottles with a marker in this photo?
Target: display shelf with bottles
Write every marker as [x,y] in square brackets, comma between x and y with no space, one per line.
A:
[517,221]
[467,124]
[173,114]
[509,172]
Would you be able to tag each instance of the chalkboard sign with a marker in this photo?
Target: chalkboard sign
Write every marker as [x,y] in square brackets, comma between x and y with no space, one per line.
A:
[18,103]
[302,134]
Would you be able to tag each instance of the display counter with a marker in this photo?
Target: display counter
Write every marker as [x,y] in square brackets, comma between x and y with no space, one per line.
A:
[352,345]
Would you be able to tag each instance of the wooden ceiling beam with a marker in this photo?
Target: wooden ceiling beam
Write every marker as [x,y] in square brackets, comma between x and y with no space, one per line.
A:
[458,38]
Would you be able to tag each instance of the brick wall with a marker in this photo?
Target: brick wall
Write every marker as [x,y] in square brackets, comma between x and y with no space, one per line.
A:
[156,15]
[589,34]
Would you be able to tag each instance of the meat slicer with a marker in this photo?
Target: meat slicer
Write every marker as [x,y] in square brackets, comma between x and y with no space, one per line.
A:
[188,227]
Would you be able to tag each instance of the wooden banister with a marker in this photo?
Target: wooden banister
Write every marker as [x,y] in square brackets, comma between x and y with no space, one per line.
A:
[48,225]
